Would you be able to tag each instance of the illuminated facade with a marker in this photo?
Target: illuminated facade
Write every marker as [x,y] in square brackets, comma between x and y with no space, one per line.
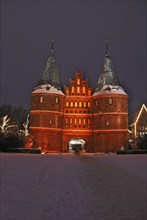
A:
[100,119]
[139,122]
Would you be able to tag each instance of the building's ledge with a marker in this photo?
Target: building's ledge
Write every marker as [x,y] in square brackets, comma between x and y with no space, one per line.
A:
[46,112]
[46,128]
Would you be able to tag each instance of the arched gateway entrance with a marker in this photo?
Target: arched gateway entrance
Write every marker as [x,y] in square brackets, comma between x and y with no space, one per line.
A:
[77,144]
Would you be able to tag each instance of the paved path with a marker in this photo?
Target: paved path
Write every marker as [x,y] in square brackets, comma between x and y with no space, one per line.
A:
[69,187]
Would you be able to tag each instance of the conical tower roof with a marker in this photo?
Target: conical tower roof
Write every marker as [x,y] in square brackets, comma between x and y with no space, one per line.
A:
[49,81]
[51,73]
[108,80]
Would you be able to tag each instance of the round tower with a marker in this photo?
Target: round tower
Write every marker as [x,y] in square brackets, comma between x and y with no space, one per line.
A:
[110,111]
[46,109]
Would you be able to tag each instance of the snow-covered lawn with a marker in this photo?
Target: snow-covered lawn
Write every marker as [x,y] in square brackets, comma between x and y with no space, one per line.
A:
[70,187]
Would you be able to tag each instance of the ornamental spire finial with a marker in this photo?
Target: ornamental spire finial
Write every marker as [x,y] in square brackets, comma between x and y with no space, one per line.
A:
[107,50]
[52,44]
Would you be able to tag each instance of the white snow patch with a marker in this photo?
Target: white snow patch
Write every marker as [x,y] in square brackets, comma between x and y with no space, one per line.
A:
[108,89]
[47,89]
[70,187]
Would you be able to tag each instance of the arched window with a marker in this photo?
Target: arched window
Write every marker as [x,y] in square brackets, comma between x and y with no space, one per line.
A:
[89,92]
[78,81]
[89,104]
[80,104]
[57,100]
[76,104]
[70,121]
[66,120]
[84,90]
[41,99]
[71,104]
[72,90]
[84,121]
[78,90]
[67,104]
[84,104]
[75,121]
[80,121]
[67,92]
[110,101]
[88,121]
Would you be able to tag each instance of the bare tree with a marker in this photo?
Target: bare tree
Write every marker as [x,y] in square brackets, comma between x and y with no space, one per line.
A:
[26,126]
[4,127]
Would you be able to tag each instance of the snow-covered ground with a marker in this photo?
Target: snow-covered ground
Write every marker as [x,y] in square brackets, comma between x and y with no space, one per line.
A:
[70,187]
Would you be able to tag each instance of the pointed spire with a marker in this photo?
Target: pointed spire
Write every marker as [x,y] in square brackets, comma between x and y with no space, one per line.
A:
[51,73]
[52,45]
[107,54]
[107,76]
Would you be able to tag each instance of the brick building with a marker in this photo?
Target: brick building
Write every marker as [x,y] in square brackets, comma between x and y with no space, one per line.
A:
[138,122]
[61,118]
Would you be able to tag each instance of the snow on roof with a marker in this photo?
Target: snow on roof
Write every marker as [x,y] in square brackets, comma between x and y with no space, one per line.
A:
[108,89]
[47,89]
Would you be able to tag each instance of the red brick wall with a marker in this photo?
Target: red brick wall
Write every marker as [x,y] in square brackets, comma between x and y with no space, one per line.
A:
[102,121]
[110,122]
[46,121]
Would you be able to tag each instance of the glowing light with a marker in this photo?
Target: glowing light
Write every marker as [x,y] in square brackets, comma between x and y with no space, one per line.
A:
[135,129]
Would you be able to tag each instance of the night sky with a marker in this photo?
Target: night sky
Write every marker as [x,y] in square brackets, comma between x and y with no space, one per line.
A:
[80,29]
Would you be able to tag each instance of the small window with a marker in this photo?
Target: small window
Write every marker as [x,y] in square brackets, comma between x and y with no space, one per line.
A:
[80,121]
[89,92]
[67,104]
[110,101]
[71,104]
[80,104]
[57,100]
[76,104]
[41,99]
[78,90]
[70,121]
[84,90]
[75,121]
[89,104]
[96,102]
[66,120]
[84,104]
[67,92]
[72,90]
[78,81]
[88,121]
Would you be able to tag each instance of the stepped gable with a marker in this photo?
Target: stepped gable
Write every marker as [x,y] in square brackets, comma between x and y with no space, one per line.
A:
[108,81]
[50,82]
